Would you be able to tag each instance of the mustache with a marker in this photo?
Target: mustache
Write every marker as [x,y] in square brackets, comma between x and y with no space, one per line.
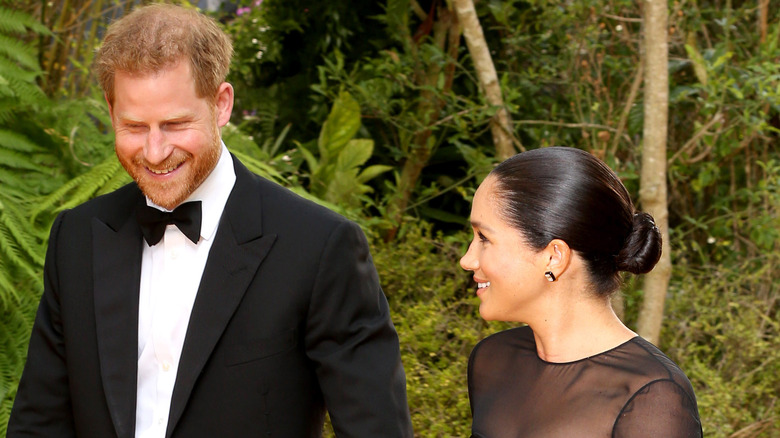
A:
[172,161]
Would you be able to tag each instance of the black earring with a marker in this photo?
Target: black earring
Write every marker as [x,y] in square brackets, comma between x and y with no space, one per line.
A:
[550,276]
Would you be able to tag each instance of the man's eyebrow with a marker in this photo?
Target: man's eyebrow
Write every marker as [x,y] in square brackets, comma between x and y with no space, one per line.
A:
[127,118]
[173,118]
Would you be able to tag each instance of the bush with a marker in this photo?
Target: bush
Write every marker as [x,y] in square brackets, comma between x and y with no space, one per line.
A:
[435,312]
[722,327]
[437,323]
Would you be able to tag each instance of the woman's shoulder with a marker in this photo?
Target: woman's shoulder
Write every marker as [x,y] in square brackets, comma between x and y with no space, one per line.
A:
[663,402]
[505,344]
[656,365]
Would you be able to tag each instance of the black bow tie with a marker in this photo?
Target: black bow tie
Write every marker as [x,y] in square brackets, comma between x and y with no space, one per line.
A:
[187,217]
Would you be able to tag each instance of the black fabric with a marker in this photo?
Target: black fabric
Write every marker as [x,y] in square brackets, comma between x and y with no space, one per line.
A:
[187,217]
[633,390]
[289,319]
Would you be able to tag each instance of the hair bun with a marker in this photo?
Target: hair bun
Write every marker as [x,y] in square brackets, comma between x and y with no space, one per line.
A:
[642,247]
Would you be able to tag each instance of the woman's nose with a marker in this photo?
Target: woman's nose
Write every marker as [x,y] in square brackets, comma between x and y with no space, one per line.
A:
[469,261]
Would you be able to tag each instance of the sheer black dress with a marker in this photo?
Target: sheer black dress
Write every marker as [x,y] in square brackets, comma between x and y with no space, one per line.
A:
[632,390]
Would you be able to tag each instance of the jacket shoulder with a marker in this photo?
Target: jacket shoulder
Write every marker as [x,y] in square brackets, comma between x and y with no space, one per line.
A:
[112,208]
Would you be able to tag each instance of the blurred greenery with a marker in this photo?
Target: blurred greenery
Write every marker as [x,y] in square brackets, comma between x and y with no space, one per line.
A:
[373,109]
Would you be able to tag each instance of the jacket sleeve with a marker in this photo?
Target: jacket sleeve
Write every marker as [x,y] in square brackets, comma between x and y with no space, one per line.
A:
[352,340]
[42,407]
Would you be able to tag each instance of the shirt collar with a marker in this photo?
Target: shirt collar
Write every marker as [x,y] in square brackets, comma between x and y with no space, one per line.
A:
[213,193]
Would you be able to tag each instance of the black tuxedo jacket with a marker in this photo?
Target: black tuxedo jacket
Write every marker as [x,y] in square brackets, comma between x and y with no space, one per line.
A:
[289,318]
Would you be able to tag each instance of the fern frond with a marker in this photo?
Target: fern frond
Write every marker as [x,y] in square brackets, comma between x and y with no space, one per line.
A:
[8,291]
[27,93]
[18,282]
[5,88]
[9,69]
[16,160]
[13,21]
[18,142]
[19,51]
[13,219]
[22,173]
[116,181]
[13,185]
[80,188]
[15,326]
[10,250]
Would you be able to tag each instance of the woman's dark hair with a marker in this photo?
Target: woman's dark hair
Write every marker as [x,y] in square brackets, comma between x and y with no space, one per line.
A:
[568,194]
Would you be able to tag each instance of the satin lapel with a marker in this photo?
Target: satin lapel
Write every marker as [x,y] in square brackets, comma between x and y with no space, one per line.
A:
[117,277]
[238,250]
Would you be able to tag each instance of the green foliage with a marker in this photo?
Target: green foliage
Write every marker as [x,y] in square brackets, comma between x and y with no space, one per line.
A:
[18,65]
[337,176]
[103,178]
[15,324]
[24,168]
[375,84]
[279,44]
[722,327]
[22,164]
[435,313]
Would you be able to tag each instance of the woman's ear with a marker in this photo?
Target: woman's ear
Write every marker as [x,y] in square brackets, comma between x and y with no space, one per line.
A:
[558,257]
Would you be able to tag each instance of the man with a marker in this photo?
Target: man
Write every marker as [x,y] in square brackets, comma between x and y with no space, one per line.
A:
[250,326]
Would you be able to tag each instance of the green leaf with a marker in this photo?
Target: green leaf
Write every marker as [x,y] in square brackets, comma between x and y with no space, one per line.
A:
[722,59]
[699,67]
[311,161]
[372,172]
[354,154]
[342,124]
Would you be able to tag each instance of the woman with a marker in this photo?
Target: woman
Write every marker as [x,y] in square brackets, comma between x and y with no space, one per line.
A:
[553,228]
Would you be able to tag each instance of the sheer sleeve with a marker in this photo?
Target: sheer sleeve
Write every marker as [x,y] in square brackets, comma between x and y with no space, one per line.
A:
[660,408]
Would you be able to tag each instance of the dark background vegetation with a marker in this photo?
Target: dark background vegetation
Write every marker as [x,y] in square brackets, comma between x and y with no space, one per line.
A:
[343,101]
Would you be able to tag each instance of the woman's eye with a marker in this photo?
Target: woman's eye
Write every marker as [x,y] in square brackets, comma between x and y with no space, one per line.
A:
[482,237]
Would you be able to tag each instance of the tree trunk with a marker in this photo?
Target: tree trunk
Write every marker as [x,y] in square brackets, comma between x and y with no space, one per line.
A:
[763,17]
[652,194]
[501,124]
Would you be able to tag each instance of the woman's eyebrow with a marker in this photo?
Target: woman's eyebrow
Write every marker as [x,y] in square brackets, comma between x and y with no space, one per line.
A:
[481,226]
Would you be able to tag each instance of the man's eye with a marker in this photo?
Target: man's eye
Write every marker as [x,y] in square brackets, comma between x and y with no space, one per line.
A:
[482,237]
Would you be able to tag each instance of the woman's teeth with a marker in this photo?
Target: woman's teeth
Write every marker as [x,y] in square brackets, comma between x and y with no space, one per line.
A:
[483,285]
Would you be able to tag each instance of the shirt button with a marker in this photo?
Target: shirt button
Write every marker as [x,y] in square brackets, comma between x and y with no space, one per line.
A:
[160,421]
[174,254]
[166,366]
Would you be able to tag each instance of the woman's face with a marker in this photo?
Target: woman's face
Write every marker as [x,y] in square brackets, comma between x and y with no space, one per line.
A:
[508,272]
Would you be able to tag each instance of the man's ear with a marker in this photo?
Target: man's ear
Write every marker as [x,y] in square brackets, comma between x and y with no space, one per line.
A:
[558,256]
[224,103]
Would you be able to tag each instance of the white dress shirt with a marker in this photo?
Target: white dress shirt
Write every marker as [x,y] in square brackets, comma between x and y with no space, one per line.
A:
[170,276]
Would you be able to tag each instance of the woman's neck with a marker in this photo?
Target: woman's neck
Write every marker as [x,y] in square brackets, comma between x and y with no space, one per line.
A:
[576,326]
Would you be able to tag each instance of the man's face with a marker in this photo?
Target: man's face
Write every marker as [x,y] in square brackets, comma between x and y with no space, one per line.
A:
[167,138]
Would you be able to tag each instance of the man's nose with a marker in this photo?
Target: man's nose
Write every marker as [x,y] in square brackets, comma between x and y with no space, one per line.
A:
[157,148]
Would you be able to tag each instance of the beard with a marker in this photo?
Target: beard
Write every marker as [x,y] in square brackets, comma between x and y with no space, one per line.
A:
[169,194]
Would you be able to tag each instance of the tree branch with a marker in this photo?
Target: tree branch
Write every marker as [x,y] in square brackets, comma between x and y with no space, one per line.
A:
[571,125]
[699,134]
[635,85]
